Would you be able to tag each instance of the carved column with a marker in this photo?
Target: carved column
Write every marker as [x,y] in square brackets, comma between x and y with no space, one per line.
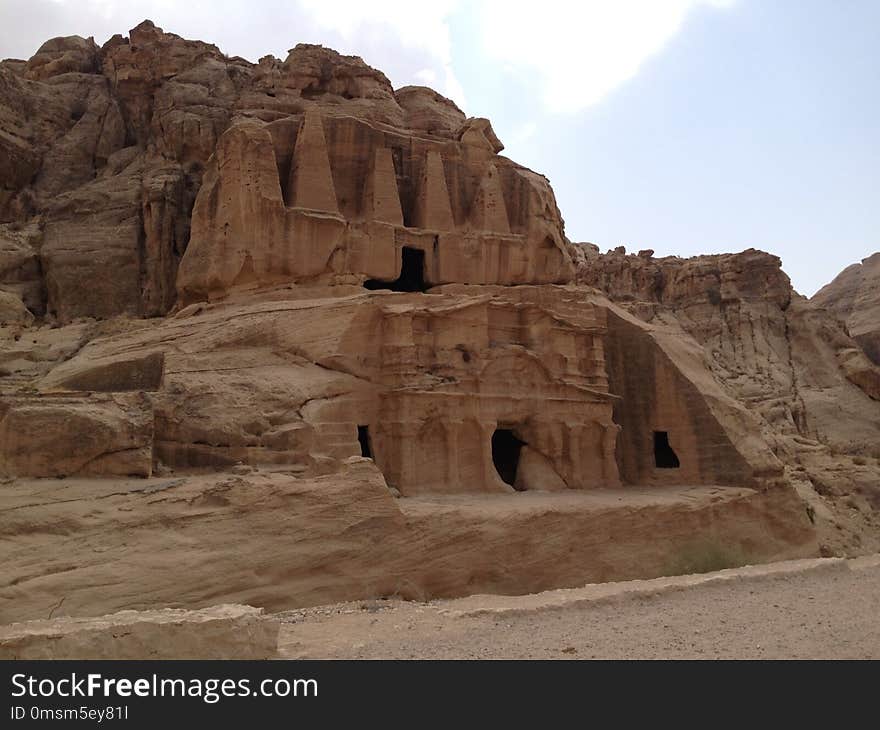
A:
[578,440]
[407,434]
[490,475]
[453,452]
[609,461]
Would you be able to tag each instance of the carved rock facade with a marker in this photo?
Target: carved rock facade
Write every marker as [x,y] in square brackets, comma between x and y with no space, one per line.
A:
[343,293]
[315,181]
[810,392]
[281,204]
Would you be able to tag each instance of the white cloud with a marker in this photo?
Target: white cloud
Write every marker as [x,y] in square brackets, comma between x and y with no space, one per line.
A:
[523,133]
[420,27]
[578,52]
[410,41]
[417,24]
[574,53]
[427,76]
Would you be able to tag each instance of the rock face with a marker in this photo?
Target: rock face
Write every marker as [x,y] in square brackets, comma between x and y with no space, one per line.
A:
[276,538]
[854,298]
[219,632]
[342,200]
[341,293]
[111,434]
[104,151]
[810,392]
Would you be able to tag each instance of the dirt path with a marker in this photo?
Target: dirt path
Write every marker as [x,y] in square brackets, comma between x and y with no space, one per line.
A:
[807,609]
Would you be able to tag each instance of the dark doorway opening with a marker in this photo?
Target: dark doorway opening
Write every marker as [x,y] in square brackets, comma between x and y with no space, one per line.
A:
[364,440]
[664,456]
[412,273]
[505,454]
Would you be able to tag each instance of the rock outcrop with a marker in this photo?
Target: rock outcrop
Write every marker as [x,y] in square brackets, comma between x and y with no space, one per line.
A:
[347,351]
[105,150]
[276,538]
[219,632]
[809,391]
[110,434]
[854,298]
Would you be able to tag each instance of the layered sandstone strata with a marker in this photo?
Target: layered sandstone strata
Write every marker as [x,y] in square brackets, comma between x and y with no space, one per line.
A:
[811,393]
[314,168]
[279,539]
[427,385]
[219,632]
[347,350]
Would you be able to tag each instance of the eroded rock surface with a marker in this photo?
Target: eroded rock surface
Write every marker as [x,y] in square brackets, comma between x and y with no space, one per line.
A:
[314,167]
[351,351]
[278,539]
[854,298]
[218,632]
[806,388]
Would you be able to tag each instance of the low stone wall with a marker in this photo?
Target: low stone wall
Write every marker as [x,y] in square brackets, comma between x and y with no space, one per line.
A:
[228,631]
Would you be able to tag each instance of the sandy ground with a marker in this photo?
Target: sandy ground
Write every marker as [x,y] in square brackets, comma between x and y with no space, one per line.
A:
[827,610]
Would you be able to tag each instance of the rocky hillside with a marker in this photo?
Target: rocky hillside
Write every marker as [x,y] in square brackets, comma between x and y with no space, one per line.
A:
[854,298]
[103,151]
[304,337]
[813,394]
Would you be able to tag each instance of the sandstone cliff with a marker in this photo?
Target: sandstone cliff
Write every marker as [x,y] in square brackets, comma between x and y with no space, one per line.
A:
[854,298]
[104,151]
[811,393]
[347,350]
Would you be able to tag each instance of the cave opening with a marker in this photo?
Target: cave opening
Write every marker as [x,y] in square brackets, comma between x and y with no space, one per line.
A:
[364,441]
[506,448]
[664,455]
[412,273]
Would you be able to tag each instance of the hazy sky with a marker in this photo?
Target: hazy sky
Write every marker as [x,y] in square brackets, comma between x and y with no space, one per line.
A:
[686,126]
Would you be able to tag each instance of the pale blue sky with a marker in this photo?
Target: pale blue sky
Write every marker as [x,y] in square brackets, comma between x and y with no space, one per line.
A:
[686,126]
